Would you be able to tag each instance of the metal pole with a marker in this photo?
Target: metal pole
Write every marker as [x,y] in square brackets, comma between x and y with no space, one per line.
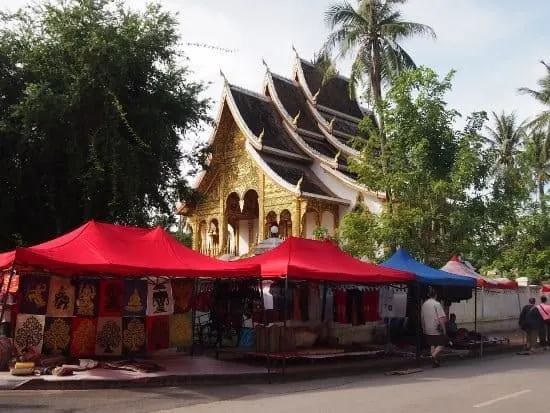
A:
[193,316]
[482,317]
[284,321]
[475,309]
[325,290]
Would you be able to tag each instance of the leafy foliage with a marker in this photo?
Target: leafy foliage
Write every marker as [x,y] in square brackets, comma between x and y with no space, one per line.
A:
[94,104]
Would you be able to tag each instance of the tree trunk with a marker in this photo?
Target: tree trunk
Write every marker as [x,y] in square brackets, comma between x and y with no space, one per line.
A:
[541,195]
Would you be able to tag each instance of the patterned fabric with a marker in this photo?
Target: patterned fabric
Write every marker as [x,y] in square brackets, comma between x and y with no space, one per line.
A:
[133,335]
[61,298]
[181,330]
[159,298]
[87,292]
[110,298]
[84,332]
[34,294]
[182,290]
[5,280]
[57,335]
[29,333]
[135,298]
[109,336]
[157,328]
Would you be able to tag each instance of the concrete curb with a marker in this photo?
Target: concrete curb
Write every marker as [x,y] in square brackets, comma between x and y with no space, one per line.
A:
[291,374]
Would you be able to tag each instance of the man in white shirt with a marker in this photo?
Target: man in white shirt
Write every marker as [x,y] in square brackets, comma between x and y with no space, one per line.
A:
[433,324]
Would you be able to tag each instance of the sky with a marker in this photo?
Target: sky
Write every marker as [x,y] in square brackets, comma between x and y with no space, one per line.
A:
[494,45]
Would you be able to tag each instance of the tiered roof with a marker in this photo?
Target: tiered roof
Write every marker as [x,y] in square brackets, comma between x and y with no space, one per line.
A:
[298,122]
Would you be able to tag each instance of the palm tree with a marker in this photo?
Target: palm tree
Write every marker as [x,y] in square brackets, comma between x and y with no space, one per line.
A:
[372,32]
[538,152]
[542,96]
[506,138]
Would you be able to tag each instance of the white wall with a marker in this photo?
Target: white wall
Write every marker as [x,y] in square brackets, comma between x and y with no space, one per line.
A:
[497,310]
[327,221]
[243,236]
[311,223]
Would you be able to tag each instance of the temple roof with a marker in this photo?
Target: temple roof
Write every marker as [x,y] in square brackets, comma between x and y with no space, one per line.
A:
[333,94]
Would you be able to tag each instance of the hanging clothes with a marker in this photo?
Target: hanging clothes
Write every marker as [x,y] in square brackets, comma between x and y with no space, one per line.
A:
[329,304]
[386,301]
[340,304]
[314,302]
[371,301]
[354,307]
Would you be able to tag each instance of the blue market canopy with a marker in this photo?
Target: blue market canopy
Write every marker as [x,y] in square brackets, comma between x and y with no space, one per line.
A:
[401,260]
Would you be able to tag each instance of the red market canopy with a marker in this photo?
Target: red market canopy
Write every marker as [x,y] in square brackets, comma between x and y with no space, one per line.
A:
[100,248]
[306,259]
[455,266]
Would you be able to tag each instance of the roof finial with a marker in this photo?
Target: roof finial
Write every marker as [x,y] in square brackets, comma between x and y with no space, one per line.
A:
[316,95]
[223,76]
[265,64]
[294,50]
[337,157]
[299,184]
[331,124]
[261,136]
[295,120]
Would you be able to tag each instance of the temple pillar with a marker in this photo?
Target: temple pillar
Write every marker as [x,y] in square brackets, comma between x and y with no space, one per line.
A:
[261,207]
[297,218]
[196,234]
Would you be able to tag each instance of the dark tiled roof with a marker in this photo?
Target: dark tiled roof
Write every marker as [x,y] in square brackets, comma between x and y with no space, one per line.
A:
[334,93]
[292,175]
[260,114]
[294,101]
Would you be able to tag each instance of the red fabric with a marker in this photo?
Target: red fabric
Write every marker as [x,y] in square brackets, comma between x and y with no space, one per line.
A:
[14,284]
[546,288]
[157,329]
[83,336]
[125,251]
[455,266]
[340,304]
[370,306]
[322,260]
[111,296]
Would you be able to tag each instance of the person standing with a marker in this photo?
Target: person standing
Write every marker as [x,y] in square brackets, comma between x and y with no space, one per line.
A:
[433,325]
[530,322]
[544,331]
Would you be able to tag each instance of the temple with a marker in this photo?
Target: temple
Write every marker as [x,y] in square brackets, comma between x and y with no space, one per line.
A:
[279,157]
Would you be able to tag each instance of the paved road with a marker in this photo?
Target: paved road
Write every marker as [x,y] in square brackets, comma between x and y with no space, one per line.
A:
[504,384]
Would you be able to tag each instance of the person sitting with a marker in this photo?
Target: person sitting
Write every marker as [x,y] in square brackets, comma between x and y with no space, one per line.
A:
[451,327]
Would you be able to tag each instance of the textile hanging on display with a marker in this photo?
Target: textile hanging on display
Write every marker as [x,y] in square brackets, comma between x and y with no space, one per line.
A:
[34,294]
[386,302]
[133,335]
[109,336]
[135,298]
[87,298]
[329,305]
[314,302]
[111,296]
[371,302]
[13,285]
[182,291]
[61,298]
[158,332]
[181,330]
[160,300]
[268,298]
[84,333]
[340,304]
[57,335]
[29,333]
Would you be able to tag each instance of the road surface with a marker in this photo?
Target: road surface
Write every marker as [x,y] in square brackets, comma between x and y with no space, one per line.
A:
[504,384]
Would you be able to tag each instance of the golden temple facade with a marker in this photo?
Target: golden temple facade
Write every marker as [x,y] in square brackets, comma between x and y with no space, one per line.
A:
[279,158]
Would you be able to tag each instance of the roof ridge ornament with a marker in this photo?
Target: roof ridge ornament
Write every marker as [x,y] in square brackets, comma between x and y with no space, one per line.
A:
[295,51]
[331,124]
[266,66]
[261,136]
[316,95]
[299,184]
[295,120]
[223,76]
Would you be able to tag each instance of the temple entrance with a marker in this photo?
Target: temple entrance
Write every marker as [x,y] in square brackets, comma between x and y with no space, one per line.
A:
[243,218]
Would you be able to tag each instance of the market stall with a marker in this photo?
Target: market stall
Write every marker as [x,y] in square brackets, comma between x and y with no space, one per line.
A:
[306,283]
[107,290]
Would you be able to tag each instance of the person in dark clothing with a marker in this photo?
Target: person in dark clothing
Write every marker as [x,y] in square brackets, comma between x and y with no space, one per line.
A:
[530,322]
[452,328]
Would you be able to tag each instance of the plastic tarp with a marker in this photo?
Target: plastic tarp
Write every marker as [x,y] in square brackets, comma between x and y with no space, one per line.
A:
[402,260]
[455,266]
[125,251]
[306,259]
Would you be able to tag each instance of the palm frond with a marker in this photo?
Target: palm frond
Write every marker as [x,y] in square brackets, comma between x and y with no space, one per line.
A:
[343,14]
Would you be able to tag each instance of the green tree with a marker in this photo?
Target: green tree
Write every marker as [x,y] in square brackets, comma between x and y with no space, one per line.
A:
[538,158]
[542,96]
[435,174]
[372,33]
[96,100]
